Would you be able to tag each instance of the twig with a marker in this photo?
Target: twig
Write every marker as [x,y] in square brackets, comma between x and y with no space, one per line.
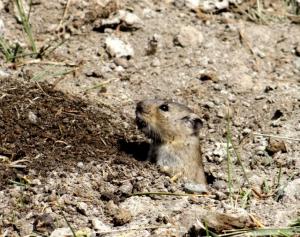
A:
[136,228]
[172,194]
[68,223]
[276,136]
[64,16]
[101,84]
[38,61]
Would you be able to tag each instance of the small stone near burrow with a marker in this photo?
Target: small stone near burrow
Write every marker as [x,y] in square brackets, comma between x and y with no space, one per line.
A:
[99,225]
[121,217]
[44,223]
[275,146]
[126,187]
[118,48]
[82,208]
[2,27]
[188,36]
[32,117]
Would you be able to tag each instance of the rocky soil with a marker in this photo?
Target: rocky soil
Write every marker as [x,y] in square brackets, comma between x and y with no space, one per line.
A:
[71,158]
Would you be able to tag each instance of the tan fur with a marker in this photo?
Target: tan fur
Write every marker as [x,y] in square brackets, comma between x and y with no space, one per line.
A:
[174,131]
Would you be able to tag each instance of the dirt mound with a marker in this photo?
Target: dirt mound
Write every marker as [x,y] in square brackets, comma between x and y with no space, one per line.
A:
[43,129]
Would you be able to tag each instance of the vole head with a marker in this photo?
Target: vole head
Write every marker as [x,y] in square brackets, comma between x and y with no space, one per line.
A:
[167,121]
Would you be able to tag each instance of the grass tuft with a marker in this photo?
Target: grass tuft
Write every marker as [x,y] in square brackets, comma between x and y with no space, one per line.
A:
[26,24]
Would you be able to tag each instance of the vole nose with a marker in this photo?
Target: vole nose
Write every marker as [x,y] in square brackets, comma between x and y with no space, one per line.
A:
[139,107]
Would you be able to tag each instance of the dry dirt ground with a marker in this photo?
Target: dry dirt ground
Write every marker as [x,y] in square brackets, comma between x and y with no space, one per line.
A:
[70,154]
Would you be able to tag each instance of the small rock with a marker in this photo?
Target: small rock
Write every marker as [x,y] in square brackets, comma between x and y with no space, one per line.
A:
[62,232]
[192,4]
[292,190]
[155,62]
[118,48]
[4,74]
[24,227]
[32,117]
[275,146]
[119,69]
[2,27]
[223,221]
[125,20]
[297,63]
[99,225]
[219,152]
[82,208]
[188,36]
[149,13]
[220,185]
[126,187]
[121,217]
[80,164]
[297,50]
[44,223]
[123,62]
[208,76]
[195,188]
[213,5]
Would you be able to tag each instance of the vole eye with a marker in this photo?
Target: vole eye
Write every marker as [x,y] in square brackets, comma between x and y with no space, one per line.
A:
[164,107]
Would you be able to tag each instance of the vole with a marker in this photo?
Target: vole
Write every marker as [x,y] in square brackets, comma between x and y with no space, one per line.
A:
[175,148]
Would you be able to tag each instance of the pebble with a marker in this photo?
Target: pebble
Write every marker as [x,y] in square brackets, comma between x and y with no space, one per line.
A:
[122,18]
[195,188]
[62,232]
[192,4]
[4,74]
[297,63]
[80,164]
[32,117]
[188,36]
[214,5]
[99,225]
[121,217]
[155,62]
[292,190]
[2,27]
[126,187]
[118,48]
[82,208]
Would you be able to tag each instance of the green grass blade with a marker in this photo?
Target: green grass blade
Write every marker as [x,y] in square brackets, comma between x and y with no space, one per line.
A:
[26,25]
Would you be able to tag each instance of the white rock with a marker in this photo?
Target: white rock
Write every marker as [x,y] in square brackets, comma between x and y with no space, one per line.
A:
[192,4]
[189,36]
[292,190]
[2,27]
[214,5]
[62,232]
[67,232]
[149,13]
[100,226]
[118,48]
[126,18]
[82,208]
[130,19]
[4,74]
[32,117]
[80,164]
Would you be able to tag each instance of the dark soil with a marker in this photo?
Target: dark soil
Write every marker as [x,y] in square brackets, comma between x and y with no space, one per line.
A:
[65,130]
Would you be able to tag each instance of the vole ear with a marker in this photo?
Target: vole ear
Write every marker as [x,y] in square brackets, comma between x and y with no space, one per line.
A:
[197,124]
